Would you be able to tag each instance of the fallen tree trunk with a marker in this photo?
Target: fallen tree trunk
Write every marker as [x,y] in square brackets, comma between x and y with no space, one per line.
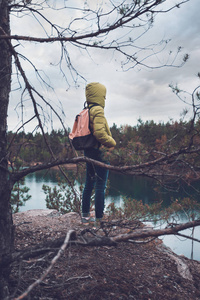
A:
[99,240]
[144,233]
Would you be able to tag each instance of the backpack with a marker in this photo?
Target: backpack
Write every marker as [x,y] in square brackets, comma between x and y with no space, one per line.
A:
[81,135]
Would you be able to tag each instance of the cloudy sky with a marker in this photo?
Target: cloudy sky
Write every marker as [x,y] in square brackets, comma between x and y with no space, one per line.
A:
[137,93]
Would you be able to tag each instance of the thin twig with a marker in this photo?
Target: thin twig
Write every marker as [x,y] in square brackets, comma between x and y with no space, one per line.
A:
[54,260]
[188,237]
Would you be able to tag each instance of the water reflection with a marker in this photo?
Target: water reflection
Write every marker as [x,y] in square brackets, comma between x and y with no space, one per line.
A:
[148,190]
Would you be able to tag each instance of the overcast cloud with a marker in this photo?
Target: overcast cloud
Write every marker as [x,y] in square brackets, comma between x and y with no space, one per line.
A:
[137,93]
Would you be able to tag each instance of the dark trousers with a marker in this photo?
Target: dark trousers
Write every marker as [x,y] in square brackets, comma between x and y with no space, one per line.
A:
[95,177]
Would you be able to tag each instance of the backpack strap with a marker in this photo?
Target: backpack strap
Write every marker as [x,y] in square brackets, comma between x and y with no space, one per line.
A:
[93,105]
[89,107]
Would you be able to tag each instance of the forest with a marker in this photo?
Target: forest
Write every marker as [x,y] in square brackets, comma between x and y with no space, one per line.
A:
[133,143]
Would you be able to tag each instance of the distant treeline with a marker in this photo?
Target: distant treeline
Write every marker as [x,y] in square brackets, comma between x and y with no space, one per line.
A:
[136,140]
[32,147]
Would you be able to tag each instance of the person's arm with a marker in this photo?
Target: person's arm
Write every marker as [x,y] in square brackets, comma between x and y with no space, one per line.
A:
[101,130]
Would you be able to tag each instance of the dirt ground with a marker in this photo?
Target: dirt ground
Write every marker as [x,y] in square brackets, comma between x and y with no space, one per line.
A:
[126,271]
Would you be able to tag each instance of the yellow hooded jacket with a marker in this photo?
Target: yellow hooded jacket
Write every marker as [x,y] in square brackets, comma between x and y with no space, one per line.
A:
[96,94]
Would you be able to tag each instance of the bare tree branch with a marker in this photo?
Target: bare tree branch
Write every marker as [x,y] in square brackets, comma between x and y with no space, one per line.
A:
[53,262]
[137,169]
[129,14]
[188,237]
[144,233]
[99,31]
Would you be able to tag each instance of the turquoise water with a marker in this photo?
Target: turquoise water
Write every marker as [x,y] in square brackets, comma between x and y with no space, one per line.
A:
[138,188]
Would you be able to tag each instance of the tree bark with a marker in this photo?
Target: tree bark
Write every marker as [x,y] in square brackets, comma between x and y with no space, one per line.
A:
[6,224]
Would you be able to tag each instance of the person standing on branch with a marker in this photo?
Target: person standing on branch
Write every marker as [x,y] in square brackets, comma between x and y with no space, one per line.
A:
[96,176]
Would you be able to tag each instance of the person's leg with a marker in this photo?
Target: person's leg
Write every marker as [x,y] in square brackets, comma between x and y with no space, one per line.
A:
[101,181]
[94,176]
[87,192]
[90,181]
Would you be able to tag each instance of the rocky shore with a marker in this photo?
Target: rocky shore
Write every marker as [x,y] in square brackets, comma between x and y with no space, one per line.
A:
[127,271]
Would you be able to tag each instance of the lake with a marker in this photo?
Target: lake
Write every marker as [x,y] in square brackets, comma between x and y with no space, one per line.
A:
[138,188]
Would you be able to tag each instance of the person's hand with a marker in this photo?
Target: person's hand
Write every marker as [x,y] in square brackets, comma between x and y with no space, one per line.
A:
[111,149]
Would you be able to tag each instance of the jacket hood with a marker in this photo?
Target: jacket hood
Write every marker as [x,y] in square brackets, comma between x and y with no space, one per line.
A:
[95,93]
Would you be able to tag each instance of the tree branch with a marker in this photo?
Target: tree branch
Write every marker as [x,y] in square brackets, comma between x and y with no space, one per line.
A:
[144,233]
[137,169]
[124,18]
[101,240]
[54,260]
